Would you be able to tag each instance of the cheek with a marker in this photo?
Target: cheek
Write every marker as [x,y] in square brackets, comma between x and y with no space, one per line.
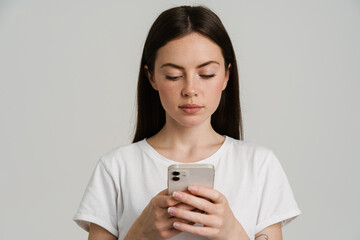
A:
[167,94]
[217,88]
[214,94]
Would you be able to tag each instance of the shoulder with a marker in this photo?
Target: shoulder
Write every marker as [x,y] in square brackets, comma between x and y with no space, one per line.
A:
[248,148]
[251,153]
[120,154]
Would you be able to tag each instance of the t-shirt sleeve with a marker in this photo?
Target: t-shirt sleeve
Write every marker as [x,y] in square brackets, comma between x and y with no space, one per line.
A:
[98,204]
[276,199]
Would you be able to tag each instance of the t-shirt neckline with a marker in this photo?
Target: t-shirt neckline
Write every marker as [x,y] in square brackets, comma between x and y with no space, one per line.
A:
[166,161]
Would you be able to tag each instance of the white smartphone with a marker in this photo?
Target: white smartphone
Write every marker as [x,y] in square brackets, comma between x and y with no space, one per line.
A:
[180,176]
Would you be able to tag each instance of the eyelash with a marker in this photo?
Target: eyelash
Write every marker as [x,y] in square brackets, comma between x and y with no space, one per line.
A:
[173,78]
[207,76]
[177,77]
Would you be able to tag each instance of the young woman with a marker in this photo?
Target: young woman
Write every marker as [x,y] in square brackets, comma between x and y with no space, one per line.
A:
[188,112]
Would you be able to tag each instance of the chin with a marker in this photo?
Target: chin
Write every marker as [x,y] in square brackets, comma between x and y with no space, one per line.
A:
[187,120]
[193,122]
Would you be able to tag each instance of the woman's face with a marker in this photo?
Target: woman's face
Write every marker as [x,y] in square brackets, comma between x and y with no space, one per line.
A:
[189,74]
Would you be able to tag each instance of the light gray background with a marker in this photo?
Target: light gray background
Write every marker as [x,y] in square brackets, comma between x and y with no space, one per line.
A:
[68,72]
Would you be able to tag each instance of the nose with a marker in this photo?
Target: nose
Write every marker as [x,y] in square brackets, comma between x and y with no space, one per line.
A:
[189,93]
[189,90]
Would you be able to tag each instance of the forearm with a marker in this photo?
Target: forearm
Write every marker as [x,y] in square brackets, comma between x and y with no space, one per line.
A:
[240,231]
[134,233]
[97,232]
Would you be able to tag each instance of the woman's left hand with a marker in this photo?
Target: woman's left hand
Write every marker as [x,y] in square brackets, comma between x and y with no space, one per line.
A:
[218,219]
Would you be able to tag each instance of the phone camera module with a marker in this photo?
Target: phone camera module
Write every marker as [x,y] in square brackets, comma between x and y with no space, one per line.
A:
[176,173]
[175,178]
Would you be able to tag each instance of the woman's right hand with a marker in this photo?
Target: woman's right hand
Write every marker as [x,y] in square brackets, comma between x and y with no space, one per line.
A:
[155,222]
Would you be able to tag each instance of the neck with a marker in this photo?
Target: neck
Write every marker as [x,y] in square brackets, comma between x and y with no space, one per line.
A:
[174,135]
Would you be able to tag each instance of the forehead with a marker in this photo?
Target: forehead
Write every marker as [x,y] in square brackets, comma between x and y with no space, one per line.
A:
[189,50]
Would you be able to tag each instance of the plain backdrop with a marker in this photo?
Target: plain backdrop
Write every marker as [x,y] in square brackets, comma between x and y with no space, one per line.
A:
[68,72]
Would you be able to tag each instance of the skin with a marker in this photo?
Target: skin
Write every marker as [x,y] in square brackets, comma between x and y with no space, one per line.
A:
[190,69]
[189,137]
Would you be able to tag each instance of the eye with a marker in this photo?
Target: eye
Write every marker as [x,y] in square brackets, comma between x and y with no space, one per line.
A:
[172,78]
[207,76]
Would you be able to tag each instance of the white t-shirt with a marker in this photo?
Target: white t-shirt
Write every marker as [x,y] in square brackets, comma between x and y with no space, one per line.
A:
[127,178]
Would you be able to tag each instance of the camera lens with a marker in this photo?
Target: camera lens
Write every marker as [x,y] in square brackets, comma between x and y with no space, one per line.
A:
[175,178]
[175,173]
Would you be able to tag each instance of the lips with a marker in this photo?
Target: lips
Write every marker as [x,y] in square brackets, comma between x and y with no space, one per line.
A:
[190,108]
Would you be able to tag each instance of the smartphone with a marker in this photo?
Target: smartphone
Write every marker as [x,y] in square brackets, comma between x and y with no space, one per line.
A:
[180,176]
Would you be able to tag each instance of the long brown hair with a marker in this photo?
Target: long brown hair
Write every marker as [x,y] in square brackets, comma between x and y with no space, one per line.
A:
[174,23]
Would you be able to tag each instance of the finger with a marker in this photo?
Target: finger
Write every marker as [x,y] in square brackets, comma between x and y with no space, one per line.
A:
[185,206]
[175,219]
[191,216]
[163,200]
[209,193]
[197,230]
[195,201]
[163,192]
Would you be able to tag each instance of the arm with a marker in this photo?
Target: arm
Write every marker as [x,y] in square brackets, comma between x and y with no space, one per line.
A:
[98,233]
[272,232]
[153,223]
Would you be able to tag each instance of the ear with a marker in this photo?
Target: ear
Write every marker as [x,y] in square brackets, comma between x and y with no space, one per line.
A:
[150,77]
[227,75]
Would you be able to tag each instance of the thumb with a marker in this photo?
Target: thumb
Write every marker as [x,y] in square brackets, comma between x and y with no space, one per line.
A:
[164,200]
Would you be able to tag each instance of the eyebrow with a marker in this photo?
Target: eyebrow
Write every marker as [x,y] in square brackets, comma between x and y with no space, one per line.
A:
[182,68]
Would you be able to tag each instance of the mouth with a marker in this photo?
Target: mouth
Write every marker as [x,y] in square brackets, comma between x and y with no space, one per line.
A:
[190,108]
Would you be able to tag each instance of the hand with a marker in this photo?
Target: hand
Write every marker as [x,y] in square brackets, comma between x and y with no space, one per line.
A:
[155,221]
[218,219]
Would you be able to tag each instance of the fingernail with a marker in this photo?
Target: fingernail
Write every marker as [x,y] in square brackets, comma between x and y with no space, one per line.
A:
[177,195]
[192,188]
[171,210]
[176,225]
